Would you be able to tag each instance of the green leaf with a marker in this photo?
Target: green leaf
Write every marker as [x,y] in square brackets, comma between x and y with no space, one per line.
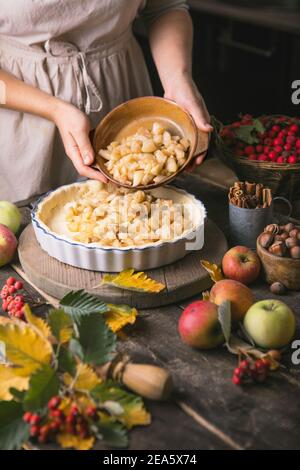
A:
[66,361]
[246,134]
[44,383]
[114,434]
[97,340]
[80,303]
[61,325]
[224,316]
[13,430]
[258,125]
[17,394]
[111,391]
[75,348]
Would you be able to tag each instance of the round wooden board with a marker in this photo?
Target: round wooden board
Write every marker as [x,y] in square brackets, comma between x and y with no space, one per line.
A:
[183,279]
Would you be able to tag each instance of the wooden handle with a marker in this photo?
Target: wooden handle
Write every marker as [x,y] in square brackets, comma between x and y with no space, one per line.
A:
[151,382]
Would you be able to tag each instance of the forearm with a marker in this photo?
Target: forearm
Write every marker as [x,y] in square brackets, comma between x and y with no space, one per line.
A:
[22,97]
[171,42]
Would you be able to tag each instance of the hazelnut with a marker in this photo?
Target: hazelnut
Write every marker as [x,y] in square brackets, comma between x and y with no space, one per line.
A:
[278,288]
[266,239]
[294,233]
[284,235]
[288,227]
[290,242]
[272,228]
[295,252]
[278,248]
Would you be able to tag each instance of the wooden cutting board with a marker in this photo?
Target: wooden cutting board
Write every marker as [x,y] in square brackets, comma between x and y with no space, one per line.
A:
[182,279]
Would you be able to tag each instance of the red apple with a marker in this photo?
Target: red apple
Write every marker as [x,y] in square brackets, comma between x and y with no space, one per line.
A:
[8,245]
[199,326]
[239,295]
[241,264]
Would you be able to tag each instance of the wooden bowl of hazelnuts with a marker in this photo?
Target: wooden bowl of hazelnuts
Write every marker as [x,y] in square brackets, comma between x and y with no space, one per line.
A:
[279,250]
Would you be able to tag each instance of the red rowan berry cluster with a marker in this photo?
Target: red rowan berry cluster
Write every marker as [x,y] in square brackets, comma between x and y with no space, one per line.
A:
[251,371]
[279,143]
[12,300]
[57,421]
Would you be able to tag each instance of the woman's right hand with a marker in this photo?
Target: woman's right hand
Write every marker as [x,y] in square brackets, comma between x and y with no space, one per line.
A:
[74,128]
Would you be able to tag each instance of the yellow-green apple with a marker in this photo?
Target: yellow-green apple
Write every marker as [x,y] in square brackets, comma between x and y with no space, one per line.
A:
[8,245]
[241,264]
[239,295]
[270,323]
[199,326]
[10,216]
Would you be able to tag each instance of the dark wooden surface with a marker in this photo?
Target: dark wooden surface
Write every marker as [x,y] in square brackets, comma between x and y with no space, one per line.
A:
[182,279]
[224,416]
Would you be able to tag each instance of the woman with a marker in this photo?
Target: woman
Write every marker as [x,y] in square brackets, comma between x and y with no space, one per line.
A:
[64,64]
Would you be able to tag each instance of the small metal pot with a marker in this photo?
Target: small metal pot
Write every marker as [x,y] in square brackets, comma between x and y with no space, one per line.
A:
[247,224]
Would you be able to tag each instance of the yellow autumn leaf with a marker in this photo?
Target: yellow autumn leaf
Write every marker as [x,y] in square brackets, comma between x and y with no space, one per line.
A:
[205,295]
[25,348]
[130,280]
[38,323]
[68,441]
[213,270]
[135,415]
[85,378]
[9,378]
[119,316]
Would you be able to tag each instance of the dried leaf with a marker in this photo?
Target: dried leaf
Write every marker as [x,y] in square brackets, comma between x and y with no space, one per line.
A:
[224,317]
[70,441]
[41,326]
[85,378]
[10,379]
[25,348]
[120,316]
[130,280]
[213,270]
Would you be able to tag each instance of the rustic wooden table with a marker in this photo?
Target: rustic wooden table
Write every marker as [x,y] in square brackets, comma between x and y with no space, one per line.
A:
[207,410]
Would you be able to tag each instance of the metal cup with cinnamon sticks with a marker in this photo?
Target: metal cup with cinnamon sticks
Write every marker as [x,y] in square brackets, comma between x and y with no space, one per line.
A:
[250,210]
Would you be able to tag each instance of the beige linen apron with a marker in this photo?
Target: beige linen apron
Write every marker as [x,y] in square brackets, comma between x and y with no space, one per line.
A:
[82,51]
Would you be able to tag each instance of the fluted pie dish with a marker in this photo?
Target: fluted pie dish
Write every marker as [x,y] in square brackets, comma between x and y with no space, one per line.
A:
[102,227]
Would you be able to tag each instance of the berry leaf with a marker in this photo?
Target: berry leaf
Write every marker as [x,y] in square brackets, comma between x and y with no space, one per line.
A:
[66,361]
[13,431]
[9,378]
[247,134]
[80,303]
[25,348]
[43,385]
[224,316]
[134,412]
[97,340]
[61,325]
[114,434]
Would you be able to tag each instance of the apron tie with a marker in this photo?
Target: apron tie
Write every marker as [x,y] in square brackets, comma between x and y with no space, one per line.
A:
[57,48]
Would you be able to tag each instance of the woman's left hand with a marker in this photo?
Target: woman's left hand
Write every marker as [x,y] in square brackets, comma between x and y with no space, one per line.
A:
[183,90]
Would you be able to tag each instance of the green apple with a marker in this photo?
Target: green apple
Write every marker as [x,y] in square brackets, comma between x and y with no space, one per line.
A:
[270,323]
[10,216]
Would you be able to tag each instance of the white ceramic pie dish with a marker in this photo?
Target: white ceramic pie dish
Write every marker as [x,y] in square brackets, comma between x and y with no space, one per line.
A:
[95,257]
